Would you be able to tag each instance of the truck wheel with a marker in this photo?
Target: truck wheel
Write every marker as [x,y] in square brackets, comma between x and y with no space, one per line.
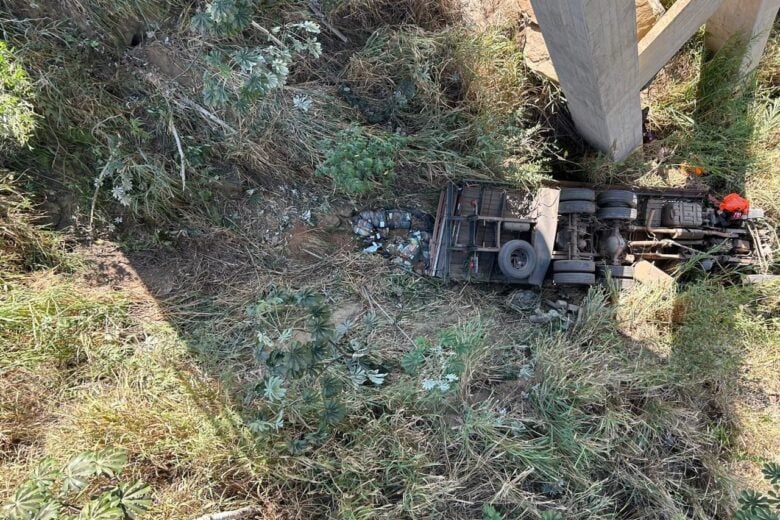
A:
[577,206]
[517,259]
[617,199]
[574,278]
[618,271]
[577,194]
[617,214]
[574,266]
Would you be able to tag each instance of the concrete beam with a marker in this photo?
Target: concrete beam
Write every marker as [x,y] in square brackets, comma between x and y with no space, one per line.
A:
[592,44]
[671,32]
[749,20]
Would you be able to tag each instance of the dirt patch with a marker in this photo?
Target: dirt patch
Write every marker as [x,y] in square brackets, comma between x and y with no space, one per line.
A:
[110,268]
[171,64]
[308,244]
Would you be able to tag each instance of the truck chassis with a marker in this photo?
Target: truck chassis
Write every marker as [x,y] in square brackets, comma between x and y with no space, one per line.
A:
[578,234]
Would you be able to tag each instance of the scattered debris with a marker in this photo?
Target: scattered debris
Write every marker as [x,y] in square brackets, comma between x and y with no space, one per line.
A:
[403,235]
[523,300]
[559,311]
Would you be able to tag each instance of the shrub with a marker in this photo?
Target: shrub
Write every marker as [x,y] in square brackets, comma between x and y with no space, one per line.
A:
[17,119]
[240,75]
[357,161]
[757,506]
[50,491]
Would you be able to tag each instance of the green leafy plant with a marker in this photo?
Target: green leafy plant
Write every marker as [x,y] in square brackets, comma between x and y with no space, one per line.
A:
[357,162]
[312,363]
[441,366]
[238,74]
[758,506]
[490,513]
[52,493]
[136,182]
[17,118]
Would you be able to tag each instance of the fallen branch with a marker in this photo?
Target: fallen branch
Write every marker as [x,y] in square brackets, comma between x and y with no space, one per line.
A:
[181,152]
[315,8]
[181,100]
[244,512]
[270,36]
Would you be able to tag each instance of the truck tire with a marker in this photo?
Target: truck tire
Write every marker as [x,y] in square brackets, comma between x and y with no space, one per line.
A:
[617,213]
[517,259]
[618,271]
[574,266]
[574,278]
[617,199]
[577,194]
[577,206]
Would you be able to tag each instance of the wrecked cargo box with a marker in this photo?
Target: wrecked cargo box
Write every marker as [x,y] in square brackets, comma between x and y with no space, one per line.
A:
[579,234]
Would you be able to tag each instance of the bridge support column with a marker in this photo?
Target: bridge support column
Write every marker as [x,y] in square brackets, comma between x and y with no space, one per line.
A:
[593,46]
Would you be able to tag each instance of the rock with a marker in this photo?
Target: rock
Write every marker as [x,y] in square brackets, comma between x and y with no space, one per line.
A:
[329,222]
[528,10]
[346,311]
[757,279]
[536,55]
[648,274]
[648,12]
[540,319]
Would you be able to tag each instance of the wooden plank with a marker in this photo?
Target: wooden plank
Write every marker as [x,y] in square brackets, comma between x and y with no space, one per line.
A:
[671,32]
[749,20]
[592,44]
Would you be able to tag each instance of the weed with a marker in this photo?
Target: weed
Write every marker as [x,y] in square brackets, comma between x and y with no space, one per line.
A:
[757,506]
[50,490]
[357,161]
[254,71]
[17,119]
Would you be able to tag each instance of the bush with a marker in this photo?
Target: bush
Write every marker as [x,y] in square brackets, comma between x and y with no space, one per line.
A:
[757,506]
[17,119]
[241,75]
[357,161]
[50,491]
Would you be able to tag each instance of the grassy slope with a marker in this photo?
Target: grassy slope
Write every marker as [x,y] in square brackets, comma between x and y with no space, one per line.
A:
[646,409]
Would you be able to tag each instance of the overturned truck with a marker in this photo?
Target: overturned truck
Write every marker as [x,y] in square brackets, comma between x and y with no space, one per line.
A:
[579,234]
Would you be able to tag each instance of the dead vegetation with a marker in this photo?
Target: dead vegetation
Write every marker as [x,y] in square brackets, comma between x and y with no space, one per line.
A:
[652,406]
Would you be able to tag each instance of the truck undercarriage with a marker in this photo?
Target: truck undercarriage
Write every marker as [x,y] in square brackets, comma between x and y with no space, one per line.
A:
[580,234]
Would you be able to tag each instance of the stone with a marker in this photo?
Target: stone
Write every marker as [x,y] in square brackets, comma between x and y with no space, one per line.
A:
[536,55]
[648,274]
[329,222]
